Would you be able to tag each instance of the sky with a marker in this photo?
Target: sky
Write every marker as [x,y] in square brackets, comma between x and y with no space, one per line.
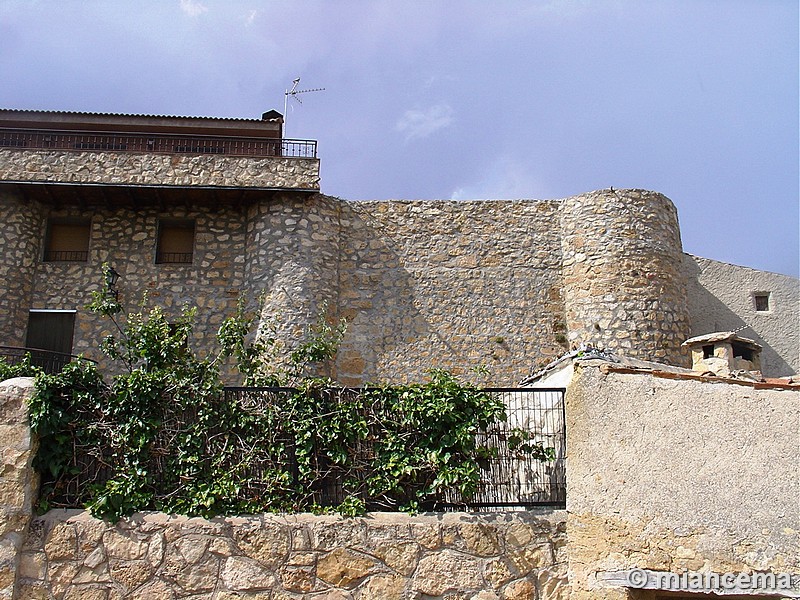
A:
[464,99]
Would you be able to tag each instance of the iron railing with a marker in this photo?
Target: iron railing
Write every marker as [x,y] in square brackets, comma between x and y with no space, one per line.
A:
[157,144]
[173,258]
[515,479]
[66,255]
[509,478]
[46,360]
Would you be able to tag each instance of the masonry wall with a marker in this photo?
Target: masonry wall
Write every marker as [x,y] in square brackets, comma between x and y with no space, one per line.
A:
[624,289]
[68,555]
[449,285]
[126,239]
[721,298]
[509,285]
[515,556]
[293,262]
[131,168]
[673,475]
[20,249]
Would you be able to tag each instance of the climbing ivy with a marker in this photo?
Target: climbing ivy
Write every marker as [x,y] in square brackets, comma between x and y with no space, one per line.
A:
[162,434]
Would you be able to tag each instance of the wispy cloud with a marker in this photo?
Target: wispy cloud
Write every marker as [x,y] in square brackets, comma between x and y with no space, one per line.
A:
[505,177]
[193,8]
[251,16]
[422,123]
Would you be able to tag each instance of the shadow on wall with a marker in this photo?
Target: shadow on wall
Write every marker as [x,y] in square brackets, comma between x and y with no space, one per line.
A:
[708,314]
[376,297]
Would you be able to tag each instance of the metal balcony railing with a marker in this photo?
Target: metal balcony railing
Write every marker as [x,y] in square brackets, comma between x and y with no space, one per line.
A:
[47,361]
[157,144]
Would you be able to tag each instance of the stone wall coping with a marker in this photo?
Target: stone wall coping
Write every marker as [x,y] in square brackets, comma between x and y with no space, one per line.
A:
[71,515]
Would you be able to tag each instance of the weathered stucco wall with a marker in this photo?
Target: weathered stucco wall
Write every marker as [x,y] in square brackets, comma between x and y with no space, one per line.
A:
[674,475]
[721,298]
[131,168]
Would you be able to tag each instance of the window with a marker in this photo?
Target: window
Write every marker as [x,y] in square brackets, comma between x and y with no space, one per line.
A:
[175,241]
[708,351]
[742,351]
[67,240]
[761,300]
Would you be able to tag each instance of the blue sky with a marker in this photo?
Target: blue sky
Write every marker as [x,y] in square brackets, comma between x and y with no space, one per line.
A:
[464,99]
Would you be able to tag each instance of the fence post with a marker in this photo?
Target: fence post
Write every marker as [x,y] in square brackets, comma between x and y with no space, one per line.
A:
[18,481]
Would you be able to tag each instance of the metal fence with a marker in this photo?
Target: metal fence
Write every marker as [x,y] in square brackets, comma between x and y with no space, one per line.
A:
[49,362]
[509,478]
[513,478]
[157,144]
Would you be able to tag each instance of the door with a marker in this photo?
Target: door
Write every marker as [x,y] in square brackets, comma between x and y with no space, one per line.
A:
[50,331]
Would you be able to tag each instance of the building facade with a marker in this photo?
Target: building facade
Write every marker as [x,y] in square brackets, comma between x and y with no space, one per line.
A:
[205,211]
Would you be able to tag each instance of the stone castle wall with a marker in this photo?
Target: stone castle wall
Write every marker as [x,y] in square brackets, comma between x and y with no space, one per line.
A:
[624,288]
[509,285]
[449,284]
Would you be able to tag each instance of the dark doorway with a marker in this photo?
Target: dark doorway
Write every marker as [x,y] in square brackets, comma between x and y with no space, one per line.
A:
[51,330]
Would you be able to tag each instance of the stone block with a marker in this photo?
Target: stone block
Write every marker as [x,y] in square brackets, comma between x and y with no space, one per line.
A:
[447,571]
[344,568]
[245,574]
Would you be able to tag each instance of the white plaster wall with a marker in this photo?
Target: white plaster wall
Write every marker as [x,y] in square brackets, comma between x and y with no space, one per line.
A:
[721,299]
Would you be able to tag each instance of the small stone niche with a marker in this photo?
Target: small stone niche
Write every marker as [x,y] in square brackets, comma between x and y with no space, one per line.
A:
[723,353]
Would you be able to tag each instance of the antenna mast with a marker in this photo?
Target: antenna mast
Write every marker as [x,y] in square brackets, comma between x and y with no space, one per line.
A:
[294,92]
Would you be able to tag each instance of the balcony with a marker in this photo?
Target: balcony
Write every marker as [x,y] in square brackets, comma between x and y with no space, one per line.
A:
[87,149]
[161,144]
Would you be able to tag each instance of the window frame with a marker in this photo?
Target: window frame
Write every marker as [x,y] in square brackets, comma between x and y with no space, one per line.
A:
[167,224]
[60,256]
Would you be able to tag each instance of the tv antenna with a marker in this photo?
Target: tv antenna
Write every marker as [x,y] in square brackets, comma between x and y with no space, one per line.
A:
[294,93]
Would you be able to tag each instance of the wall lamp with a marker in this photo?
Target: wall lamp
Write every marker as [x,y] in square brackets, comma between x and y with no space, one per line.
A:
[111,281]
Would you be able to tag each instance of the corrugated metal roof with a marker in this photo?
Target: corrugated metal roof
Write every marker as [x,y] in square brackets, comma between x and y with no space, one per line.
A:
[129,115]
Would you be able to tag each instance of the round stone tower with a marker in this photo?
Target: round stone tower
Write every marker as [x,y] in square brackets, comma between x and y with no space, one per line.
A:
[624,289]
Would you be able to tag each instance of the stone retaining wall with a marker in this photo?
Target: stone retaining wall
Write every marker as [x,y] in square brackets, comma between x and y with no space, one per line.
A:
[514,556]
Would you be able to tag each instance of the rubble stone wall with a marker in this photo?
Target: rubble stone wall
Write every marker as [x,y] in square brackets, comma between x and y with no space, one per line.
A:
[131,168]
[449,284]
[513,556]
[722,298]
[678,475]
[126,238]
[507,284]
[20,249]
[624,288]
[293,261]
